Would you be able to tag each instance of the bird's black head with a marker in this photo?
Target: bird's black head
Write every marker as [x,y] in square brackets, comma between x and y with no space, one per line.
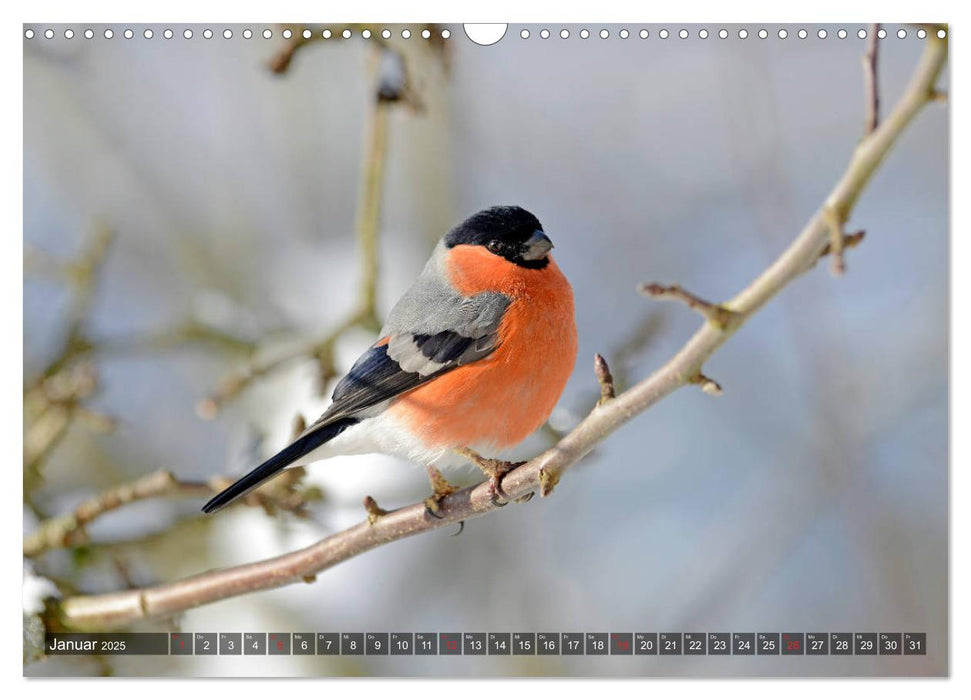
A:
[509,232]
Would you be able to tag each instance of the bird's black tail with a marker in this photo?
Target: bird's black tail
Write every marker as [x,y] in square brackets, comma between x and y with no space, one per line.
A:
[303,445]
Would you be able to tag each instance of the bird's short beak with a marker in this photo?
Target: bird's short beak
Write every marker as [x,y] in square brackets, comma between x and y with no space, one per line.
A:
[537,247]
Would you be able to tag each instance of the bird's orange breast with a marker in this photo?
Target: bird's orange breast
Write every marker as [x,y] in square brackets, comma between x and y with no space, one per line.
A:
[500,400]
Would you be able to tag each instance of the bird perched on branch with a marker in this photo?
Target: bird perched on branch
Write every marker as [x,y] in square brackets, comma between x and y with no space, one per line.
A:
[471,360]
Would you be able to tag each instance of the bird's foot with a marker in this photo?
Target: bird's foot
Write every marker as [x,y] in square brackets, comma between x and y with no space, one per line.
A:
[441,487]
[495,469]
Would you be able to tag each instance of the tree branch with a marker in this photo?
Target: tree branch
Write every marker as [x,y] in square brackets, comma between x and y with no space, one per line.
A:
[70,530]
[543,472]
[870,81]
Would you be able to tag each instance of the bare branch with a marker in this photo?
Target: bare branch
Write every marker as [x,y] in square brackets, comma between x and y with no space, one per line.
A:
[870,86]
[543,472]
[717,314]
[69,530]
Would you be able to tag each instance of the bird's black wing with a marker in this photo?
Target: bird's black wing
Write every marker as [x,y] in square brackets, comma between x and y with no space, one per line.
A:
[401,363]
[429,332]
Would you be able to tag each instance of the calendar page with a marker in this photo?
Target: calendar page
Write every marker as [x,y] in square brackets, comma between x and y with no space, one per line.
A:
[491,350]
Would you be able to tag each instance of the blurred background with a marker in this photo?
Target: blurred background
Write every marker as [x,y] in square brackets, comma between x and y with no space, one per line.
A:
[196,230]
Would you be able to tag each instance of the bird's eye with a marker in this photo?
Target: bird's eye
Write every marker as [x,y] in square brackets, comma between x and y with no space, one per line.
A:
[494,246]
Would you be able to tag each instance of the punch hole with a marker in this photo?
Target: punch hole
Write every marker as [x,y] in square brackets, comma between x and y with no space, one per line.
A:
[286,33]
[346,33]
[405,33]
[129,33]
[366,33]
[604,33]
[821,33]
[841,33]
[426,34]
[247,34]
[486,34]
[524,34]
[861,34]
[803,33]
[385,33]
[584,33]
[663,33]
[783,33]
[49,34]
[743,33]
[446,33]
[683,33]
[207,34]
[307,33]
[882,34]
[644,34]
[921,34]
[564,33]
[624,33]
[148,34]
[703,33]
[228,34]
[722,33]
[763,34]
[109,33]
[68,33]
[901,33]
[168,34]
[327,34]
[29,33]
[89,34]
[941,34]
[187,33]
[545,34]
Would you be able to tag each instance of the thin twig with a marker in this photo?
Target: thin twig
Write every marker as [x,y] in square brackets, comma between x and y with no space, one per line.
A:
[717,314]
[870,87]
[543,472]
[70,530]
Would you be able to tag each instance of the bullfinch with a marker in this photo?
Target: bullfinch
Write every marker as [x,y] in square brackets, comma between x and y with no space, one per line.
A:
[472,359]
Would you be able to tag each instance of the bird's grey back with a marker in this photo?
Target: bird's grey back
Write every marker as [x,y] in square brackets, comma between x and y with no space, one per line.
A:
[432,305]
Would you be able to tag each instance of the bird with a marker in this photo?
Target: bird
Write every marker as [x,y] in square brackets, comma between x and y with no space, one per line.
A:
[471,360]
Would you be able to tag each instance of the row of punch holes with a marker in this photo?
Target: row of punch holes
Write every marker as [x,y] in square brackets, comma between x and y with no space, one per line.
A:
[445,34]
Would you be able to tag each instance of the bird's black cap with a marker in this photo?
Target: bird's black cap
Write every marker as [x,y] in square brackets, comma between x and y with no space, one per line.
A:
[508,231]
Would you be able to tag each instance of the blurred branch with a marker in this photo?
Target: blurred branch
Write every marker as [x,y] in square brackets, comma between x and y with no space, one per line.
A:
[54,397]
[391,88]
[281,61]
[870,81]
[543,472]
[834,218]
[69,530]
[82,274]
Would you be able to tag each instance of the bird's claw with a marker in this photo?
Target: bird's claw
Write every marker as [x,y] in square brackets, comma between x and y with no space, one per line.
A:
[441,488]
[432,506]
[496,492]
[495,469]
